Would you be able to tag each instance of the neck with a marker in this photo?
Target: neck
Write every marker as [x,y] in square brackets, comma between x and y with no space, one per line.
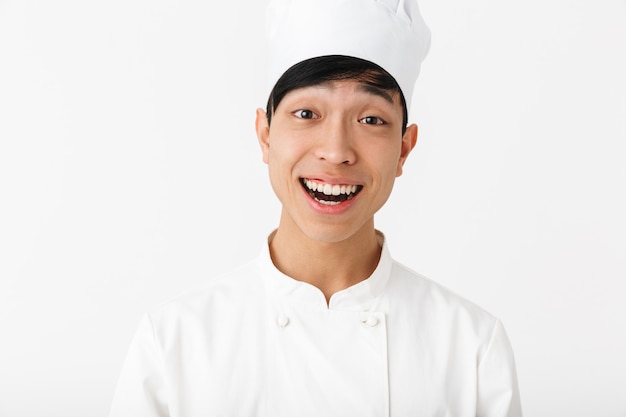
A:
[330,266]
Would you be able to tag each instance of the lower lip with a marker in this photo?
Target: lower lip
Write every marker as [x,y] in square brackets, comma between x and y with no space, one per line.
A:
[329,209]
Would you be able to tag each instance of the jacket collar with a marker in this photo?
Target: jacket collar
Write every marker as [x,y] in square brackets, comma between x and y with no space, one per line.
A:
[358,297]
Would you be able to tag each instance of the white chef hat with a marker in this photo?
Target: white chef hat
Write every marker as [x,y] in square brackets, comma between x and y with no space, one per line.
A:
[389,33]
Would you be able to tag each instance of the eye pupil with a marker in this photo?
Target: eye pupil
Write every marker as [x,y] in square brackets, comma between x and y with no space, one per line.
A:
[372,120]
[305,114]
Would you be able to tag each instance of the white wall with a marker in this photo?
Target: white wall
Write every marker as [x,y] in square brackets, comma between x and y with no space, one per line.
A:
[129,171]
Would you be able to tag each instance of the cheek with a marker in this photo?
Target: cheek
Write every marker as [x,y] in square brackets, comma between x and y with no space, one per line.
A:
[286,149]
[282,156]
[386,160]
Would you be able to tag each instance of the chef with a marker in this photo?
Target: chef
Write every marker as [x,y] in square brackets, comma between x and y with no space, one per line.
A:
[324,322]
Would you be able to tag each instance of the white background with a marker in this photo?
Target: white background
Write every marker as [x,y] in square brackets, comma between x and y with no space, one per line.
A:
[129,172]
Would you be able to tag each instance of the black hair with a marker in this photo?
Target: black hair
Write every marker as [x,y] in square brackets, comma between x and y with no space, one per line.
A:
[322,69]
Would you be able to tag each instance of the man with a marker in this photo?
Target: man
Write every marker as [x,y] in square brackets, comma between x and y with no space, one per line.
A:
[324,322]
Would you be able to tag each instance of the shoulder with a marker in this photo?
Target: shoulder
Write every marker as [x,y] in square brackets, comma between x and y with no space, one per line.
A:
[437,305]
[228,291]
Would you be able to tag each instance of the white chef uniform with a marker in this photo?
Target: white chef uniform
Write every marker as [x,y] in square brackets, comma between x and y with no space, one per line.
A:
[258,343]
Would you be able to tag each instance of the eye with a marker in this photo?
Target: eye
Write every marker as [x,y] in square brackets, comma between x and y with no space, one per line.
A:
[372,120]
[305,114]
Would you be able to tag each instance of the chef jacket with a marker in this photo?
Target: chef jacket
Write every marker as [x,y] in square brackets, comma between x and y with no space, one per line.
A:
[256,342]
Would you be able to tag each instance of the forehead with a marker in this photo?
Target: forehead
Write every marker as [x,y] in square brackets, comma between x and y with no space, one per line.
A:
[350,87]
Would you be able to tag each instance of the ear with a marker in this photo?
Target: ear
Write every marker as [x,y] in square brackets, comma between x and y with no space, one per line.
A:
[263,133]
[408,143]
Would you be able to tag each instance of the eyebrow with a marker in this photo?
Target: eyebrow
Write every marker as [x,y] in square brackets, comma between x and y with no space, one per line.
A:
[377,92]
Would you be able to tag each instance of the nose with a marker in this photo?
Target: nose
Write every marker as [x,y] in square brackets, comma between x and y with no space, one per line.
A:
[335,144]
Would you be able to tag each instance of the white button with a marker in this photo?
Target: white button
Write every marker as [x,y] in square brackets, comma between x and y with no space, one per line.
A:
[370,321]
[282,320]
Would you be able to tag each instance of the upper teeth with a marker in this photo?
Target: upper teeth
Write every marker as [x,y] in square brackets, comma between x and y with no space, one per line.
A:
[329,189]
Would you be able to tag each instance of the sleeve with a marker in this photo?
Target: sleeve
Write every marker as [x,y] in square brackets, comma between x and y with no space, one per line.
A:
[141,388]
[498,391]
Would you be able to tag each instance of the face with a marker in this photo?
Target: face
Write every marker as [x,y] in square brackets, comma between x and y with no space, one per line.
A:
[333,153]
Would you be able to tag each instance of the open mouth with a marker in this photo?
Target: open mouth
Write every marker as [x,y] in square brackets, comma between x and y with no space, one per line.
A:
[330,194]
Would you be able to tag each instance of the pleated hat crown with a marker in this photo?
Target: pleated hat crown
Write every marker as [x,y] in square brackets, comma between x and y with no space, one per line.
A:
[389,33]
